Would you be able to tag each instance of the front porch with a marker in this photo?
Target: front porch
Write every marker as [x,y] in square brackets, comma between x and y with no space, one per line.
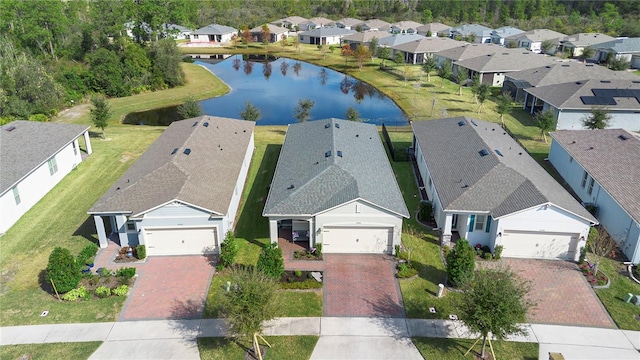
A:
[290,262]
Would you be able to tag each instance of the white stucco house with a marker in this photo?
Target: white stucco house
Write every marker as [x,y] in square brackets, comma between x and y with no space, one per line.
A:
[35,157]
[485,188]
[418,51]
[480,33]
[213,33]
[324,35]
[405,27]
[182,195]
[432,29]
[492,68]
[347,23]
[575,44]
[533,39]
[627,49]
[570,102]
[333,185]
[602,167]
[499,35]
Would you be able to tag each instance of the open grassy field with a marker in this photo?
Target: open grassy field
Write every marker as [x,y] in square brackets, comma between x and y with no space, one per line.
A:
[77,351]
[282,347]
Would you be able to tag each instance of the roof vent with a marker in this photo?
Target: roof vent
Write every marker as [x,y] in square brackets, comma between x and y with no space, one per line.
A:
[291,187]
[474,123]
[206,124]
[589,65]
[339,152]
[174,151]
[327,126]
[327,154]
[565,65]
[187,151]
[605,81]
[483,152]
[498,152]
[461,123]
[337,126]
[623,137]
[10,128]
[194,124]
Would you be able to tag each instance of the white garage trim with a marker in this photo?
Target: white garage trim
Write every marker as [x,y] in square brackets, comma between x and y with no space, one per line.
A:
[540,245]
[181,241]
[352,239]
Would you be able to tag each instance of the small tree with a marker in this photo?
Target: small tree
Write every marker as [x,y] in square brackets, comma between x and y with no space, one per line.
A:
[265,34]
[600,246]
[352,114]
[100,112]
[546,46]
[62,270]
[346,51]
[246,36]
[546,122]
[248,304]
[270,261]
[587,53]
[361,55]
[445,70]
[190,109]
[460,263]
[504,105]
[461,79]
[511,44]
[618,64]
[373,47]
[250,112]
[398,58]
[429,66]
[296,43]
[303,110]
[383,54]
[482,93]
[598,119]
[475,84]
[228,251]
[495,302]
[283,42]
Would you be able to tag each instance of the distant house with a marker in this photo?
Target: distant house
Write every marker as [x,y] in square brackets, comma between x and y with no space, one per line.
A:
[374,24]
[347,23]
[213,33]
[291,22]
[34,158]
[533,39]
[602,167]
[363,38]
[492,68]
[405,27]
[499,35]
[485,187]
[417,51]
[466,51]
[627,49]
[480,33]
[182,195]
[557,73]
[575,44]
[572,101]
[276,33]
[432,29]
[344,194]
[324,36]
[314,23]
[176,32]
[396,39]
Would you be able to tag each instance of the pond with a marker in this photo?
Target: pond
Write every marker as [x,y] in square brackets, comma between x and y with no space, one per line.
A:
[274,86]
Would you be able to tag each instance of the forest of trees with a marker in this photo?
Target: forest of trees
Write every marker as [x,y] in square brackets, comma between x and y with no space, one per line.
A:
[57,52]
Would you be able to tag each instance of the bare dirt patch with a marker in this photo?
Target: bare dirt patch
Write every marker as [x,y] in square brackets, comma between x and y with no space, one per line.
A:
[73,113]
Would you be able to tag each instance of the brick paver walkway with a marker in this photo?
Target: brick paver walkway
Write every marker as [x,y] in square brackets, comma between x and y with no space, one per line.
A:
[362,286]
[290,263]
[562,293]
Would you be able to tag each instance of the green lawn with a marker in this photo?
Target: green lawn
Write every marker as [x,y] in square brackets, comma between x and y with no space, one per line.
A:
[444,349]
[624,314]
[78,351]
[282,347]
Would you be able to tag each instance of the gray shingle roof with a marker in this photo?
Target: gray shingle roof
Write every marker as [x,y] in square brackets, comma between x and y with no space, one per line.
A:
[375,24]
[467,181]
[348,22]
[567,95]
[621,46]
[428,45]
[322,182]
[366,36]
[328,31]
[505,31]
[273,29]
[468,51]
[397,39]
[505,61]
[215,29]
[585,39]
[29,145]
[406,25]
[561,72]
[612,162]
[295,20]
[206,177]
[433,27]
[472,29]
[536,35]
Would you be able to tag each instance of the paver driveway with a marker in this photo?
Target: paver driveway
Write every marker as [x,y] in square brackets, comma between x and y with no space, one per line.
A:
[563,295]
[169,287]
[361,285]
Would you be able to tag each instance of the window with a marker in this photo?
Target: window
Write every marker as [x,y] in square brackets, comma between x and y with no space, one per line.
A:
[75,148]
[131,226]
[195,36]
[53,166]
[16,195]
[590,190]
[584,179]
[480,219]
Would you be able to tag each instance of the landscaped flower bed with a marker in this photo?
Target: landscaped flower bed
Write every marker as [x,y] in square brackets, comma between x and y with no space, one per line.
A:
[299,279]
[599,280]
[129,254]
[313,254]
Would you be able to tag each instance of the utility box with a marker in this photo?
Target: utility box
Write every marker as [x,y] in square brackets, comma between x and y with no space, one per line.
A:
[636,300]
[555,356]
[628,298]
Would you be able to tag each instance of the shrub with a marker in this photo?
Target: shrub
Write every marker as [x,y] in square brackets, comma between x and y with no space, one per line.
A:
[270,261]
[460,263]
[87,255]
[76,294]
[406,270]
[104,272]
[487,256]
[126,273]
[121,290]
[228,251]
[301,285]
[497,252]
[310,275]
[445,251]
[583,254]
[103,292]
[39,117]
[396,249]
[298,273]
[141,250]
[593,234]
[486,249]
[62,270]
[426,210]
[296,254]
[318,250]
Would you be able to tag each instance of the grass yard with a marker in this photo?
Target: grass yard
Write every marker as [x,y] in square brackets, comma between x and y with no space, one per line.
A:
[444,349]
[282,347]
[624,314]
[81,350]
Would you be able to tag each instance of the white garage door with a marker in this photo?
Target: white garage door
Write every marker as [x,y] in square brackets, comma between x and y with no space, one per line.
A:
[368,240]
[539,245]
[181,241]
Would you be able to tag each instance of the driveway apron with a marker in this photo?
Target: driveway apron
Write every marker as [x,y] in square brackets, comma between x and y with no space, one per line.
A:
[170,287]
[361,286]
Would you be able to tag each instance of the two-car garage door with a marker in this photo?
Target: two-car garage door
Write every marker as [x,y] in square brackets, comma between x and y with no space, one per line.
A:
[366,240]
[539,245]
[181,241]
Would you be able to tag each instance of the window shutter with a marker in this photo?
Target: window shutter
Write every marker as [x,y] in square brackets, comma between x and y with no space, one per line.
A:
[472,220]
[488,223]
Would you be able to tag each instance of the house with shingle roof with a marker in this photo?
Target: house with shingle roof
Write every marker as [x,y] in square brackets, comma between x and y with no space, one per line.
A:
[485,187]
[276,33]
[182,195]
[627,49]
[417,51]
[291,22]
[314,23]
[533,39]
[466,51]
[602,167]
[363,38]
[374,24]
[570,102]
[492,68]
[347,23]
[333,185]
[34,158]
[480,33]
[213,33]
[557,73]
[397,39]
[432,28]
[575,44]
[324,36]
[499,35]
[405,27]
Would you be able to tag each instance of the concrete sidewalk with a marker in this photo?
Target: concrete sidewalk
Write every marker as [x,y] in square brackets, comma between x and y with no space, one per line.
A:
[340,338]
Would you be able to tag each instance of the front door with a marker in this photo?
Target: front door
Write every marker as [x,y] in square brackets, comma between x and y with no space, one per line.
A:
[454,221]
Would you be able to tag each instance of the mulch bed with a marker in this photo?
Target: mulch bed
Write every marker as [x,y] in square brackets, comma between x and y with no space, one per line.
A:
[290,276]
